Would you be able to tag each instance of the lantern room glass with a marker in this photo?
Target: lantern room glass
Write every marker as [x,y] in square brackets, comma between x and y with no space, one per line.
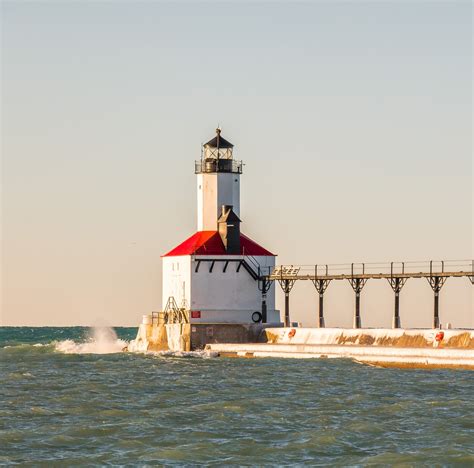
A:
[217,153]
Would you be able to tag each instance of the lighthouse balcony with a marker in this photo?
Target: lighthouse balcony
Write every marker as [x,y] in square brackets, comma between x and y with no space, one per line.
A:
[211,165]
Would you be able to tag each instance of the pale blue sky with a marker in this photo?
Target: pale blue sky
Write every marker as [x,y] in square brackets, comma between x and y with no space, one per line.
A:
[354,120]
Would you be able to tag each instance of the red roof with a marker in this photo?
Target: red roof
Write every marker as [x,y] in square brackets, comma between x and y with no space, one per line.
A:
[210,243]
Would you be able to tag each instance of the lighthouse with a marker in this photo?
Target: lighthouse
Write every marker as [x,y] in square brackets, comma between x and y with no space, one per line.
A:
[214,274]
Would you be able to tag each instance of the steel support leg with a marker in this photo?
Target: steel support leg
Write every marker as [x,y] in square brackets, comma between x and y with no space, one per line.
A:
[264,308]
[397,284]
[357,323]
[436,310]
[287,308]
[357,285]
[436,283]
[264,285]
[396,315]
[287,285]
[321,286]
[321,310]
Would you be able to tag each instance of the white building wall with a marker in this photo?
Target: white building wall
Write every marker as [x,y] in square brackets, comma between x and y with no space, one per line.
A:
[231,296]
[207,202]
[213,191]
[177,280]
[228,192]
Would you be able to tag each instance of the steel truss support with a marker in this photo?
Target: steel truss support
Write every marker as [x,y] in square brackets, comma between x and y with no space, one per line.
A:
[264,285]
[287,286]
[357,285]
[436,283]
[321,285]
[397,285]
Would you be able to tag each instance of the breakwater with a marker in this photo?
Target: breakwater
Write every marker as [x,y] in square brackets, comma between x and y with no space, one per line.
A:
[381,347]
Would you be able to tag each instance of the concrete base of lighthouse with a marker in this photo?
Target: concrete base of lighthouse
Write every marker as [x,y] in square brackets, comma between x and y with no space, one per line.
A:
[156,337]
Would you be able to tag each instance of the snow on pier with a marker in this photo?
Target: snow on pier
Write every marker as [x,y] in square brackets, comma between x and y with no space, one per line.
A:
[382,347]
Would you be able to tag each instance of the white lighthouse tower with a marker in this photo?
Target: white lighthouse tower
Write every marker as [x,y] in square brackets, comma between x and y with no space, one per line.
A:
[218,182]
[214,274]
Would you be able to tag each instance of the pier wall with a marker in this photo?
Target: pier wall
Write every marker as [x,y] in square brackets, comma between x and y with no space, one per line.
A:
[379,347]
[401,338]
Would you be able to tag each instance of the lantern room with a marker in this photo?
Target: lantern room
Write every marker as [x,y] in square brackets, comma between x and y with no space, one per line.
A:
[217,156]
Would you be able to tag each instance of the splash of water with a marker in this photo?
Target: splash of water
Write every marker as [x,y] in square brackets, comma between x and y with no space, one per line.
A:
[101,340]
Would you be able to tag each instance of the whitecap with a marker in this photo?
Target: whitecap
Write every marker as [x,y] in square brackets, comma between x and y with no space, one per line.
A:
[102,340]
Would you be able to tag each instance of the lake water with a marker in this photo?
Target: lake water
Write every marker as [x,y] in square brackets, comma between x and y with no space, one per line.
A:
[61,405]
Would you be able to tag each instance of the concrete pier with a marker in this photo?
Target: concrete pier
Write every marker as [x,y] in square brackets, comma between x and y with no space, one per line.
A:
[380,347]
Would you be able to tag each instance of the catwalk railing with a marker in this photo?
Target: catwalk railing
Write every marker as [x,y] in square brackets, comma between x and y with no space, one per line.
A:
[357,274]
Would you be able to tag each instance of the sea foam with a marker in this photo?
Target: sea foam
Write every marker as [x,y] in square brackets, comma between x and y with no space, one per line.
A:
[102,340]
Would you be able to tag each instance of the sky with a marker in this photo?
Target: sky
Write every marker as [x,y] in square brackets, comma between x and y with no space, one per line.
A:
[354,120]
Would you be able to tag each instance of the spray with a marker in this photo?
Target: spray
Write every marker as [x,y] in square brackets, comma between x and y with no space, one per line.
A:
[100,340]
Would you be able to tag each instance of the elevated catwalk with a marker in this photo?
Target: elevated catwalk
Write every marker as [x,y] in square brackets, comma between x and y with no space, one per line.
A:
[357,274]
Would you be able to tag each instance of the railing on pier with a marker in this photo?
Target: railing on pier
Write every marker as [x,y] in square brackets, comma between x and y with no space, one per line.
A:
[357,274]
[421,269]
[173,313]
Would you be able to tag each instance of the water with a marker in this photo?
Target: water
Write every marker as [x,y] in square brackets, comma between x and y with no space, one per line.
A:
[60,405]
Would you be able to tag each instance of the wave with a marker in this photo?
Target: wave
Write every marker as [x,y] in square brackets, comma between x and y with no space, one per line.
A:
[25,346]
[102,340]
